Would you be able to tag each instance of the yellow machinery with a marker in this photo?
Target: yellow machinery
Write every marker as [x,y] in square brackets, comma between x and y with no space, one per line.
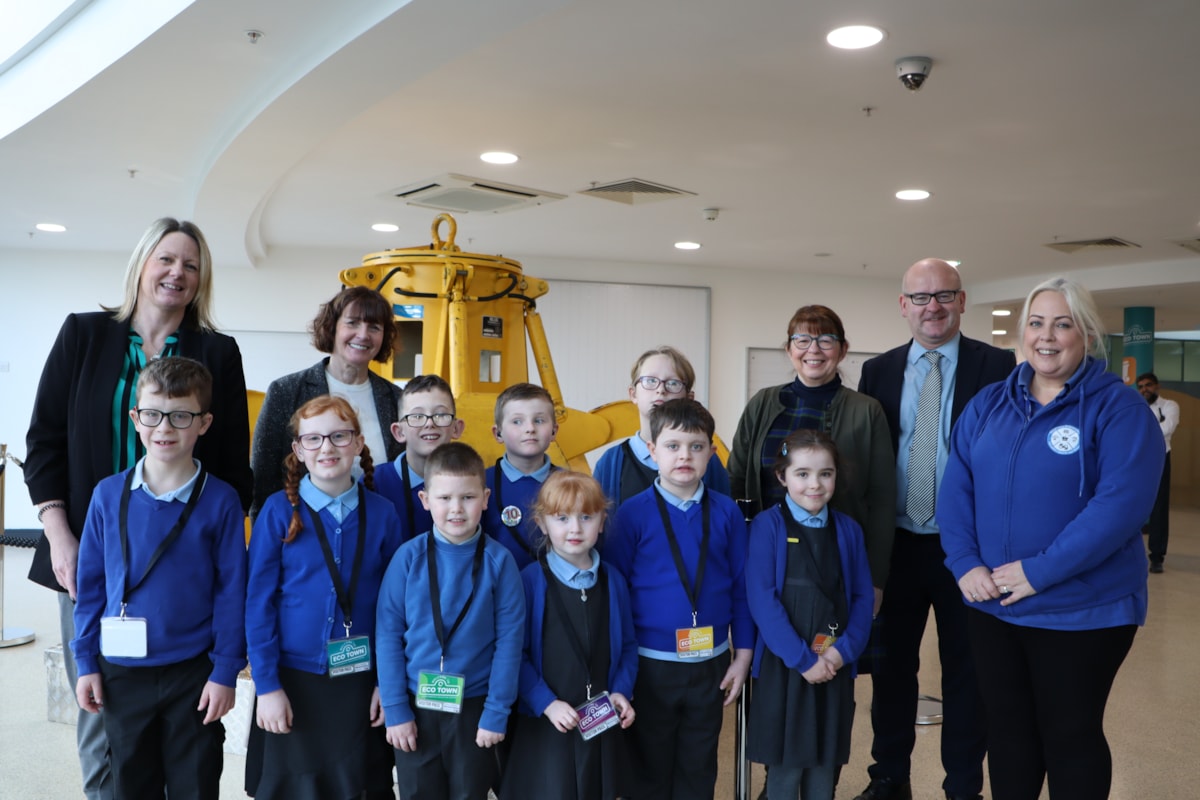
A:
[466,316]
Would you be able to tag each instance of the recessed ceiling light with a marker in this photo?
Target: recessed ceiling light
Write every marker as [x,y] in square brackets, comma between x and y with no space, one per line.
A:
[855,37]
[687,245]
[385,227]
[912,194]
[999,333]
[499,157]
[1001,312]
[953,263]
[50,227]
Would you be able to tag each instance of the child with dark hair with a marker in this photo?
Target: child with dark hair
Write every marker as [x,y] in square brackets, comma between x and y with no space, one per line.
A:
[809,588]
[317,557]
[160,662]
[451,618]
[427,421]
[580,657]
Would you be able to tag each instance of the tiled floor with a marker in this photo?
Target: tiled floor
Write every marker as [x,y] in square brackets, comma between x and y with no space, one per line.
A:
[1153,715]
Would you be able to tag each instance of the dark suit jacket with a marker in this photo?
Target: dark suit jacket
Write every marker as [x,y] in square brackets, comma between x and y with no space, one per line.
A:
[69,445]
[273,440]
[978,365]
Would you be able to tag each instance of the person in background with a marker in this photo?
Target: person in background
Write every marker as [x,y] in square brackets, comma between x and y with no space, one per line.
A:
[1051,474]
[1158,528]
[627,468]
[921,407]
[355,328]
[81,432]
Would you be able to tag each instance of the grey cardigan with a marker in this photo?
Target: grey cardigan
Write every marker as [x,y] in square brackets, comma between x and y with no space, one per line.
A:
[273,441]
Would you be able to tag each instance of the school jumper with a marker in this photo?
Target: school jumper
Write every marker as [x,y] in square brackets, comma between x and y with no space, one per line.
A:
[514,490]
[193,601]
[545,762]
[390,483]
[292,613]
[799,580]
[679,703]
[485,649]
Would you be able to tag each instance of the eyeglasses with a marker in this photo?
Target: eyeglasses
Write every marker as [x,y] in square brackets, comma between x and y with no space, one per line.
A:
[943,297]
[152,417]
[826,341]
[315,441]
[440,420]
[650,383]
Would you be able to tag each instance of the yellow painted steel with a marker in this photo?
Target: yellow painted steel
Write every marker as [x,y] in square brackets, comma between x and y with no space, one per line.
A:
[468,317]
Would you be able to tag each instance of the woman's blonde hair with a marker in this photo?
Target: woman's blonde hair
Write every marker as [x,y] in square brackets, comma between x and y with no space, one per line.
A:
[199,311]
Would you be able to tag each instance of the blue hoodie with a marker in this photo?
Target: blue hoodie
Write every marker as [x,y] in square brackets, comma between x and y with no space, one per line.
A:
[1064,489]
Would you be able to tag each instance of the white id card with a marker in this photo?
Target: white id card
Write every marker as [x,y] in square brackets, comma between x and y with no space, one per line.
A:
[123,637]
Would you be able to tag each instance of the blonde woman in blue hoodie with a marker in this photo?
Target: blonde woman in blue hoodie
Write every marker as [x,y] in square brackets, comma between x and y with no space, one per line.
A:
[1050,476]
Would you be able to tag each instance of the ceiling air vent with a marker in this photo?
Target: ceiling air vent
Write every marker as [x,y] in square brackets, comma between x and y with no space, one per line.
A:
[635,191]
[464,194]
[1106,243]
[1190,244]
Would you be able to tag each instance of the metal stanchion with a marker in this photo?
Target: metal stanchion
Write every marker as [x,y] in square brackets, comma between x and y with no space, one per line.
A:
[9,637]
[741,767]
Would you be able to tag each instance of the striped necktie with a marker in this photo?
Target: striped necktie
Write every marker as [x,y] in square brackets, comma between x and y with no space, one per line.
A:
[923,450]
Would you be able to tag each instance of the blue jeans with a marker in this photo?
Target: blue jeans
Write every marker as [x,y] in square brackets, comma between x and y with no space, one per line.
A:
[91,740]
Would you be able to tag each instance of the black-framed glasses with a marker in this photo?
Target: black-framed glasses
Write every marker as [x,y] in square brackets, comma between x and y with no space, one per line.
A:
[826,341]
[441,419]
[315,441]
[922,298]
[152,417]
[650,383]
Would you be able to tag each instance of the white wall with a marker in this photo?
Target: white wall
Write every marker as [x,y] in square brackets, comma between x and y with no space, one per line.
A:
[750,308]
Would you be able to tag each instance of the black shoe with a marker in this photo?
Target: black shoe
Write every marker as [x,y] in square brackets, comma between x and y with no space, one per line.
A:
[1156,567]
[886,789]
[963,796]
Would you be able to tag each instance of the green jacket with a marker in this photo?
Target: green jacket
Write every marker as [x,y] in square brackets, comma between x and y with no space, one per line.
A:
[866,483]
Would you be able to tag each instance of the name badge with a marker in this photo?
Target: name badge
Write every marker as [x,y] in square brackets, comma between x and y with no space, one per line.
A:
[440,691]
[123,637]
[349,655]
[511,516]
[694,642]
[822,642]
[596,716]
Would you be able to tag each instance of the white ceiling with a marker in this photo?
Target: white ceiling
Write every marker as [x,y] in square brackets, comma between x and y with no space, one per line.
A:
[1041,120]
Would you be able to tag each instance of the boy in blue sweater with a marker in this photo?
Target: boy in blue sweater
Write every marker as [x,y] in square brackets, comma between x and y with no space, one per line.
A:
[450,628]
[682,548]
[428,419]
[160,662]
[526,426]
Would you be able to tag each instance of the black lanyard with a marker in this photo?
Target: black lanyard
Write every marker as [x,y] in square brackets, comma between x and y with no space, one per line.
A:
[345,598]
[435,593]
[693,591]
[408,498]
[582,650]
[172,535]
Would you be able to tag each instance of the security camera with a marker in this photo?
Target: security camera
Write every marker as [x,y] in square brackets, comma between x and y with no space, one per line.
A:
[913,70]
[710,214]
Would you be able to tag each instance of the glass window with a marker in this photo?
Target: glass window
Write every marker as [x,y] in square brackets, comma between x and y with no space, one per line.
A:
[1168,359]
[1191,362]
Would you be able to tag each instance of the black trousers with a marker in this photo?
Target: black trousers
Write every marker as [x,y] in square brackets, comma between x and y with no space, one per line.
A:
[157,736]
[447,764]
[919,580]
[1160,522]
[679,716]
[1045,693]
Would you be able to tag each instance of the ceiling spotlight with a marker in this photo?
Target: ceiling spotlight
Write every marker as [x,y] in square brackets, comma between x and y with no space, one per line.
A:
[499,157]
[1001,312]
[999,333]
[912,194]
[953,263]
[687,245]
[385,227]
[50,227]
[855,37]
